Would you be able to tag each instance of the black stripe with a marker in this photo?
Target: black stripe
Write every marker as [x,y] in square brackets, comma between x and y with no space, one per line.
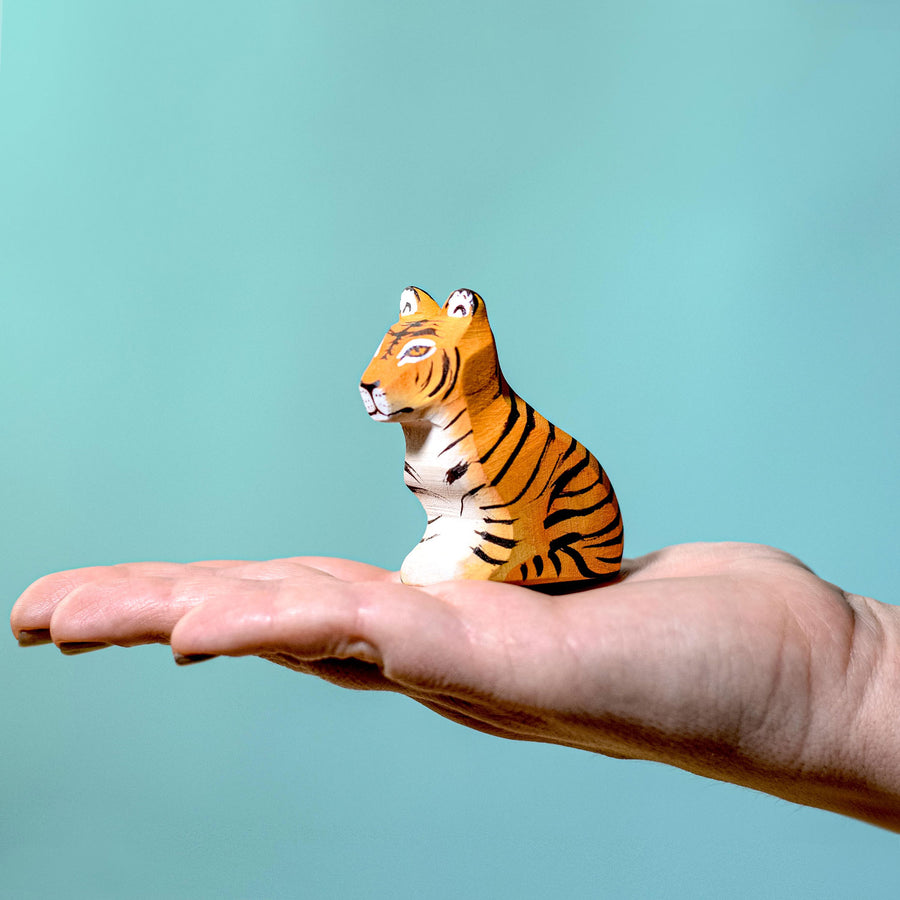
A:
[563,544]
[482,555]
[553,556]
[456,472]
[462,499]
[529,427]
[498,521]
[583,490]
[432,521]
[414,329]
[540,493]
[538,563]
[422,490]
[446,369]
[580,564]
[565,540]
[560,484]
[454,443]
[455,375]
[572,446]
[409,469]
[507,428]
[550,437]
[524,570]
[606,529]
[610,543]
[430,536]
[508,543]
[410,328]
[562,514]
[454,419]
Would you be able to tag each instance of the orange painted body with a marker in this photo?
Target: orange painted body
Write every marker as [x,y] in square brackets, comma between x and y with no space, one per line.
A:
[508,496]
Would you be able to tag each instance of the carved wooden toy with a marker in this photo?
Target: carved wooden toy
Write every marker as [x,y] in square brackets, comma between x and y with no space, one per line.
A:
[508,496]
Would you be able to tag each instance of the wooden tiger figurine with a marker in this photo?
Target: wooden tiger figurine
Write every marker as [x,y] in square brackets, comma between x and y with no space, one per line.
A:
[508,496]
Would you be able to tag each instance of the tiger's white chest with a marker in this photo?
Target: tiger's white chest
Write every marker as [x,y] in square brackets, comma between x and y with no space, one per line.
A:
[443,471]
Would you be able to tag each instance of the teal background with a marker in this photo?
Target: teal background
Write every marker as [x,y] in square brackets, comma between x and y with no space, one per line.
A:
[684,219]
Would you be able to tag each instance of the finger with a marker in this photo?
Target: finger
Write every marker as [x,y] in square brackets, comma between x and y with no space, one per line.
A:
[123,606]
[128,610]
[32,611]
[34,608]
[347,569]
[217,563]
[342,569]
[395,627]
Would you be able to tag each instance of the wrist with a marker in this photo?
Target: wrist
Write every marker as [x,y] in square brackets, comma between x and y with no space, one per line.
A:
[851,763]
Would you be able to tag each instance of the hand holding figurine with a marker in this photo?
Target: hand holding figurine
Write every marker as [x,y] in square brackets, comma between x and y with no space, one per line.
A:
[732,661]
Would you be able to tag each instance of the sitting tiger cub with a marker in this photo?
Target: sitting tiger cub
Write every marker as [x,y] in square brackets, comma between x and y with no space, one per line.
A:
[508,496]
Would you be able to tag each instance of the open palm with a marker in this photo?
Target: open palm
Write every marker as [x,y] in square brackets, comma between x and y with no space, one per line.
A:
[733,661]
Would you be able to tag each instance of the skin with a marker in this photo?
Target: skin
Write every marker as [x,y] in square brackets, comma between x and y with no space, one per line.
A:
[732,661]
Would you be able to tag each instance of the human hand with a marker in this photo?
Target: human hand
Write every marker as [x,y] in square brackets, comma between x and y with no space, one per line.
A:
[732,661]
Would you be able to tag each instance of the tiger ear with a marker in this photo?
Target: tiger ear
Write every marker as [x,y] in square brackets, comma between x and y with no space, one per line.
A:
[462,304]
[414,300]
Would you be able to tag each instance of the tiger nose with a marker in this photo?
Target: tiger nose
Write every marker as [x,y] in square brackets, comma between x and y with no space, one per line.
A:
[370,387]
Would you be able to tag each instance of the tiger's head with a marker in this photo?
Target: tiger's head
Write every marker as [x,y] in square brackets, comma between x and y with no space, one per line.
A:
[431,357]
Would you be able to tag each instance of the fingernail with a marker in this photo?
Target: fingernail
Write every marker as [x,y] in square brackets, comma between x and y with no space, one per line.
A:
[188,659]
[73,648]
[33,637]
